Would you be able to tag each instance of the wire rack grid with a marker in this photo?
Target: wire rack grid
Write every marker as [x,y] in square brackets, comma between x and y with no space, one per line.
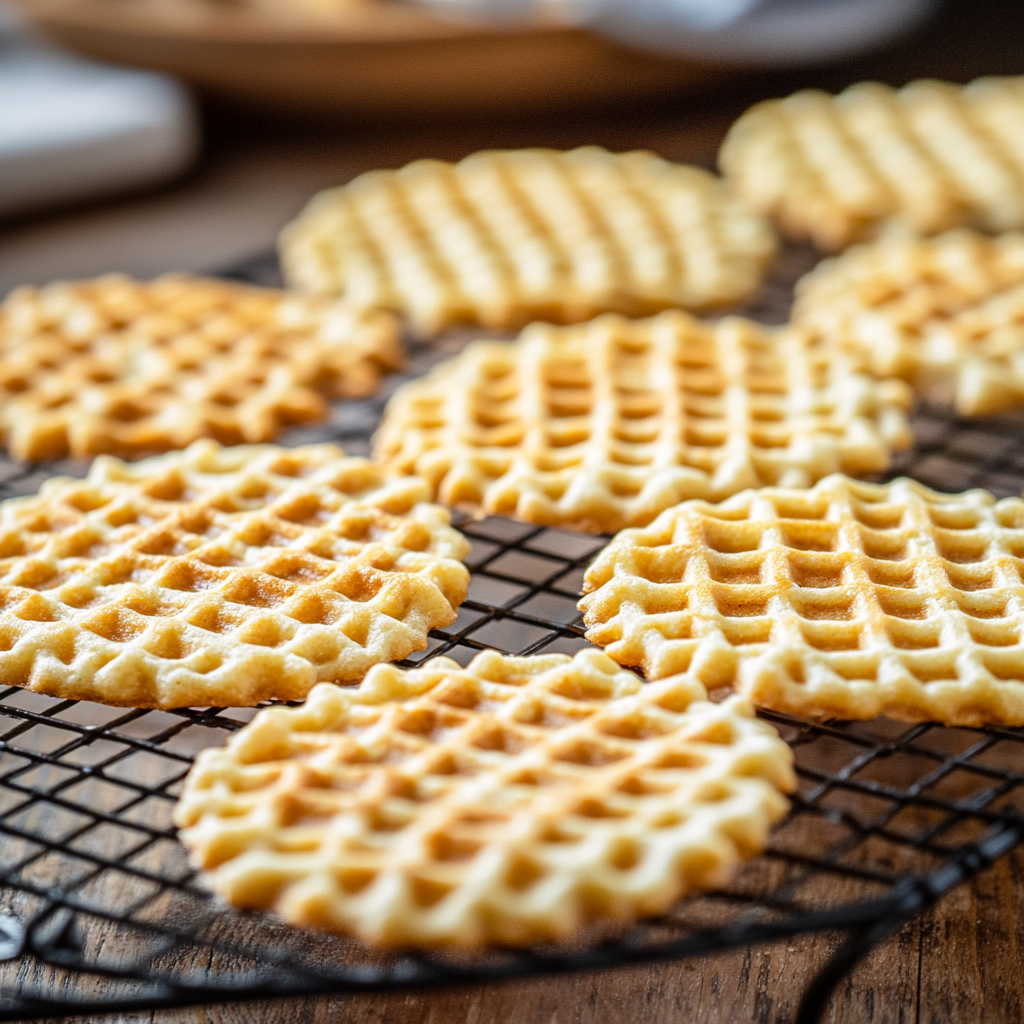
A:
[99,911]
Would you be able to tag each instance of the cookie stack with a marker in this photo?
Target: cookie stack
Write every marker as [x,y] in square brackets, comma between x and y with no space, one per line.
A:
[516,800]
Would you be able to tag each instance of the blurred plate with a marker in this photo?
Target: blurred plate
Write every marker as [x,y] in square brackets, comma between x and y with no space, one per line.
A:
[374,59]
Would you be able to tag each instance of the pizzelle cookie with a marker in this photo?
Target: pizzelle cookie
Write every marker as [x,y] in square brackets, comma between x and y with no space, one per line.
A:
[946,313]
[220,576]
[603,425]
[129,367]
[927,157]
[848,600]
[502,238]
[513,801]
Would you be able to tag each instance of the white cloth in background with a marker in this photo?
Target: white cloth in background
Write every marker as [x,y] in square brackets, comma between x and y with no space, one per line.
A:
[766,33]
[74,129]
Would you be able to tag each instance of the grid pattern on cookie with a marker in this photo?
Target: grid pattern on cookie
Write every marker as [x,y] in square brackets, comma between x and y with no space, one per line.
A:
[603,425]
[838,169]
[128,367]
[946,313]
[848,600]
[220,576]
[513,801]
[502,238]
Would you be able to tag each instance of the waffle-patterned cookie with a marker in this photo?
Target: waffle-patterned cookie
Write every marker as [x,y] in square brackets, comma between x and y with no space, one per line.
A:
[927,157]
[605,424]
[128,367]
[946,313]
[513,801]
[220,576]
[848,600]
[502,238]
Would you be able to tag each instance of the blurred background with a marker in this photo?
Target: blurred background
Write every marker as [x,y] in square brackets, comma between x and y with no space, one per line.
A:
[151,135]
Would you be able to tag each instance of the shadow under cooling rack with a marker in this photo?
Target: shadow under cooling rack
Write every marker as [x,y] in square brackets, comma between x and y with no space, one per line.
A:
[100,912]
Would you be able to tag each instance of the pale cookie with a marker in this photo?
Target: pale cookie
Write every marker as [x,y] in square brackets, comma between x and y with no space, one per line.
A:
[502,238]
[514,801]
[946,313]
[603,425]
[129,367]
[221,576]
[927,157]
[848,600]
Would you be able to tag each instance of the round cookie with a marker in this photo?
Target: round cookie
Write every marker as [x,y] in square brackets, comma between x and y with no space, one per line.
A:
[125,367]
[945,313]
[603,425]
[513,801]
[847,600]
[221,576]
[502,238]
[925,158]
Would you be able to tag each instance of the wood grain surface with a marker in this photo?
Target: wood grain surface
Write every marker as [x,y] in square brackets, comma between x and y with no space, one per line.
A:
[961,962]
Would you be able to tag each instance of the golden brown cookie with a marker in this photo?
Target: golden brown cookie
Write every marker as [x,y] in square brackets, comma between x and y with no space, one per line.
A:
[603,425]
[130,367]
[502,238]
[221,576]
[945,313]
[848,600]
[513,801]
[840,169]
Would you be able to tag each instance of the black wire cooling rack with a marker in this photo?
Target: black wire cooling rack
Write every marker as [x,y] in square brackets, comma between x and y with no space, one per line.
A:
[99,911]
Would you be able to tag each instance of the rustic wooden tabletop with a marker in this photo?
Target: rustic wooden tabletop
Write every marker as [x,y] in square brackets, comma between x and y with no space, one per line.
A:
[962,961]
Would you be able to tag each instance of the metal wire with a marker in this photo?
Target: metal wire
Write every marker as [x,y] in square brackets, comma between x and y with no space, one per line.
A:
[99,911]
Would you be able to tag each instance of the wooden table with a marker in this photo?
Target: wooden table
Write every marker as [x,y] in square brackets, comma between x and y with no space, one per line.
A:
[961,962]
